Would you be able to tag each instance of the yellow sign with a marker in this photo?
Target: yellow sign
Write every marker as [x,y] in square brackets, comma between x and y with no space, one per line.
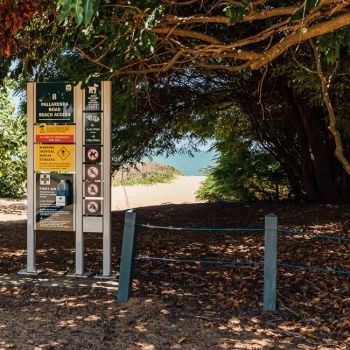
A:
[54,158]
[54,133]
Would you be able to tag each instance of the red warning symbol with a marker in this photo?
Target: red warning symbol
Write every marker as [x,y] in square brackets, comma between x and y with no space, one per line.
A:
[92,189]
[93,154]
[93,207]
[93,172]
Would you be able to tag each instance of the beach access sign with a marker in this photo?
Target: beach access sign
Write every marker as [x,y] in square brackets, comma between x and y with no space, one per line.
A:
[54,103]
[69,170]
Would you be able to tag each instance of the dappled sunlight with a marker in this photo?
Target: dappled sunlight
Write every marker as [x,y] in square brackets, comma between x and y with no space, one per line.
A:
[183,306]
[92,318]
[67,323]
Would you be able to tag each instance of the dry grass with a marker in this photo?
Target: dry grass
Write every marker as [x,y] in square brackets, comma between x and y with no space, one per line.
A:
[145,173]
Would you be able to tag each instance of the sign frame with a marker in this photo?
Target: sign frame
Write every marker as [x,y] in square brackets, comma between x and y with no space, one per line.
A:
[103,222]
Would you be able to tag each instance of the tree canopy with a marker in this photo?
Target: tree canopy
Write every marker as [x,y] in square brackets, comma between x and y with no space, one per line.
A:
[133,37]
[188,67]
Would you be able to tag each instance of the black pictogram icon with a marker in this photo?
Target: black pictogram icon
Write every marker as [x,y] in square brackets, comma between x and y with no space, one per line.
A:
[93,207]
[93,154]
[45,179]
[63,153]
[93,172]
[92,189]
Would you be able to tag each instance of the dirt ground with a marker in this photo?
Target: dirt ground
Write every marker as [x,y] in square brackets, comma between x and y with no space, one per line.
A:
[186,306]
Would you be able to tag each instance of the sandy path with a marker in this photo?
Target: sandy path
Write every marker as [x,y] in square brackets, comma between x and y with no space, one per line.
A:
[181,190]
[13,210]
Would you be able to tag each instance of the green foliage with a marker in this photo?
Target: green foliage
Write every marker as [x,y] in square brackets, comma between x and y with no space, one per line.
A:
[334,45]
[148,173]
[244,171]
[149,115]
[244,174]
[12,148]
[90,7]
[82,10]
[152,179]
[235,13]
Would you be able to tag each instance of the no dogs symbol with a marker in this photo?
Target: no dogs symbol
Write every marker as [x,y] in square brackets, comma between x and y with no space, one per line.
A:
[93,155]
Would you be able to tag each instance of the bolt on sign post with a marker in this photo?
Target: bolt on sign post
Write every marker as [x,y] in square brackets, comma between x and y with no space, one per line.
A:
[69,172]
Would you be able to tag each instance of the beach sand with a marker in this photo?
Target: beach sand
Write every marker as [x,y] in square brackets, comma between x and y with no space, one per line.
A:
[180,191]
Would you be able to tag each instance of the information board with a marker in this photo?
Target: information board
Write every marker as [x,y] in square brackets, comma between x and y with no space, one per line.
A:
[93,98]
[54,103]
[54,157]
[54,133]
[69,165]
[54,202]
[93,128]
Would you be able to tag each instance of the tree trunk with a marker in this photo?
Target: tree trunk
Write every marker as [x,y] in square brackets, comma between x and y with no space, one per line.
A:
[308,174]
[325,182]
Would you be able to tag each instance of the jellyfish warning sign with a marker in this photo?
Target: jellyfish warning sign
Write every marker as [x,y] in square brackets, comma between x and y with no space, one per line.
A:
[54,157]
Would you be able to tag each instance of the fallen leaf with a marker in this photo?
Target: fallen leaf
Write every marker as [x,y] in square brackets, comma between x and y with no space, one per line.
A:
[184,339]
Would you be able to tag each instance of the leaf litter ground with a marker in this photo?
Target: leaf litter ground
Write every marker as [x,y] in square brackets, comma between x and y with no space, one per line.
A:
[187,306]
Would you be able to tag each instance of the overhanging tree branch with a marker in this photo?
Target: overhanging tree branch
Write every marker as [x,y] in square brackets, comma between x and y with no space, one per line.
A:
[325,84]
[301,36]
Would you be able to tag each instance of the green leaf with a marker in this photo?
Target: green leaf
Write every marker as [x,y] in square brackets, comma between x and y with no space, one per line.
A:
[78,10]
[235,13]
[96,5]
[90,8]
[154,17]
[64,7]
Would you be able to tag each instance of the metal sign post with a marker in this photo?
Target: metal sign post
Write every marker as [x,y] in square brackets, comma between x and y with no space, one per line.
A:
[31,239]
[107,135]
[79,234]
[69,172]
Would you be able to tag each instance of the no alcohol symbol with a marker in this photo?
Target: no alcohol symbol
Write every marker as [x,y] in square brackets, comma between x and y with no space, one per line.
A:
[93,154]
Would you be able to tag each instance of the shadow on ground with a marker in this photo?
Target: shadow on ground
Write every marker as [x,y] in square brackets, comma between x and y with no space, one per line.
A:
[187,306]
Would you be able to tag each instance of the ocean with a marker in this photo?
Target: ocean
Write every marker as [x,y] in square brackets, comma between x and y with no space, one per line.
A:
[190,166]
